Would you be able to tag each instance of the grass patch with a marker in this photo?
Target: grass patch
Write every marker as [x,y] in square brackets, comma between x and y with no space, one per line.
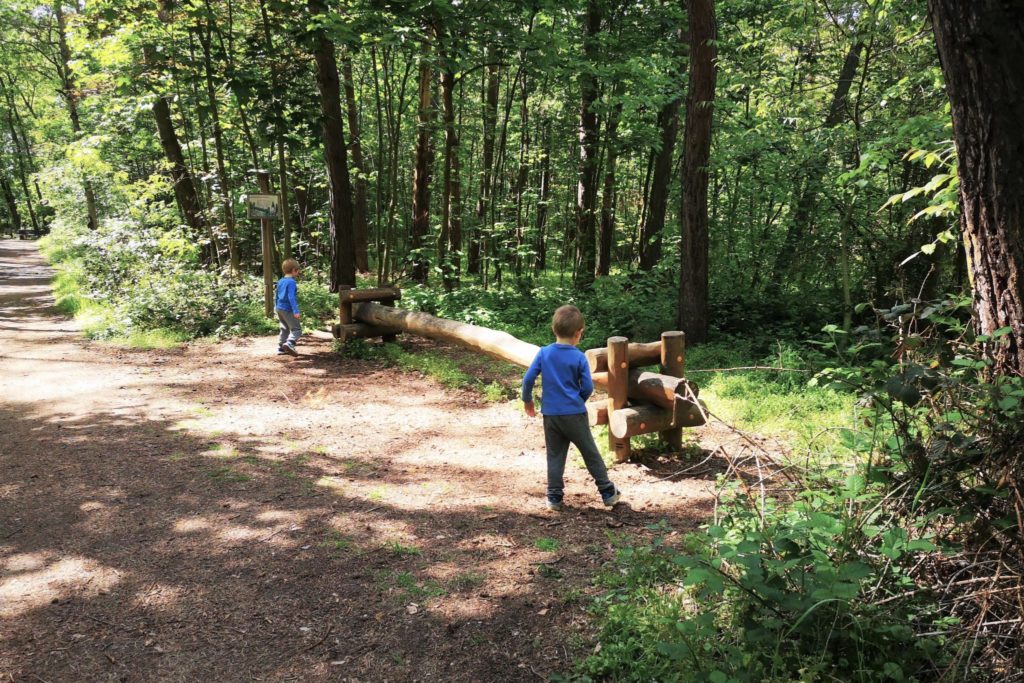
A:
[548,545]
[466,581]
[399,550]
[412,589]
[226,474]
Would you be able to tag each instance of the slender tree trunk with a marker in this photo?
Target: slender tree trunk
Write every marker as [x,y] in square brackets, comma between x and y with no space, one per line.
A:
[803,210]
[693,275]
[544,198]
[607,232]
[70,92]
[651,232]
[490,120]
[360,220]
[586,192]
[22,175]
[422,172]
[981,49]
[343,269]
[12,203]
[184,186]
[451,216]
[218,144]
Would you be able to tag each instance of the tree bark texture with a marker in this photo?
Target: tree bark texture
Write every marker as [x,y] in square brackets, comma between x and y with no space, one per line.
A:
[422,172]
[343,268]
[586,193]
[606,234]
[490,123]
[184,185]
[693,275]
[981,49]
[450,244]
[661,175]
[360,211]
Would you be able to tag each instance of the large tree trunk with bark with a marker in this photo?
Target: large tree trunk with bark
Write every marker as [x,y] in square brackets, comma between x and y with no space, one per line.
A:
[661,175]
[343,268]
[184,186]
[586,192]
[12,204]
[360,211]
[606,234]
[490,123]
[693,275]
[422,171]
[981,49]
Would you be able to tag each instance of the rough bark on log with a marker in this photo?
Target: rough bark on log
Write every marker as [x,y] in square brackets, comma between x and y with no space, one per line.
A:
[362,331]
[500,345]
[371,294]
[639,355]
[660,390]
[645,419]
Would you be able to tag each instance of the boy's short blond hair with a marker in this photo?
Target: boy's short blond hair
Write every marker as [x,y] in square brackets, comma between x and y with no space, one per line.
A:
[290,266]
[566,322]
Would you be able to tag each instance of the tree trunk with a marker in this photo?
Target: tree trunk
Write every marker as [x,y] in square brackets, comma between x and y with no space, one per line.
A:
[218,144]
[360,214]
[586,192]
[22,175]
[70,92]
[184,186]
[607,232]
[693,275]
[490,121]
[422,172]
[540,245]
[981,49]
[12,203]
[651,232]
[343,269]
[451,217]
[803,210]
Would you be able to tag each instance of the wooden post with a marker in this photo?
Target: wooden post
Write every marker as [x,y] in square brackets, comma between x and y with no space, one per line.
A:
[673,359]
[267,239]
[344,304]
[618,387]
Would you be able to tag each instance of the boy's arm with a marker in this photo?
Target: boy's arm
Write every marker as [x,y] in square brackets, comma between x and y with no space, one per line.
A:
[586,381]
[530,378]
[292,298]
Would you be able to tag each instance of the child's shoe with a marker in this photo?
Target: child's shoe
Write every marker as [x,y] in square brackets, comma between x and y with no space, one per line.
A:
[555,505]
[611,499]
[281,351]
[289,348]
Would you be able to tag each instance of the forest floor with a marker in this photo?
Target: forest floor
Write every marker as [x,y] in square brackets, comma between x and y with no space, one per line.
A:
[218,513]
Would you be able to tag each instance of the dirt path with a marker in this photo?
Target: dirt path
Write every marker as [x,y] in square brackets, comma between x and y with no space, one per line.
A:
[216,513]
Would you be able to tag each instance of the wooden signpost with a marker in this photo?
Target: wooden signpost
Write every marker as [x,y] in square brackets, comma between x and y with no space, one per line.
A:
[639,402]
[266,207]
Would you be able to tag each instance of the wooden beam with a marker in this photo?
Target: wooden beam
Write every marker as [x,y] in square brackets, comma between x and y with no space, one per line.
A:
[639,356]
[361,331]
[673,357]
[645,419]
[497,344]
[660,390]
[618,387]
[597,413]
[371,294]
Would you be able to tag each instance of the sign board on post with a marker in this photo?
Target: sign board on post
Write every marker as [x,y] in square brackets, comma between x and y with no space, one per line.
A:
[263,206]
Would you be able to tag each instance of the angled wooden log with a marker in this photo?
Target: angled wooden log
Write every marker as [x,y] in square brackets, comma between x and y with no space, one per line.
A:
[500,345]
[639,356]
[370,294]
[597,413]
[660,390]
[362,331]
[673,358]
[644,419]
[618,390]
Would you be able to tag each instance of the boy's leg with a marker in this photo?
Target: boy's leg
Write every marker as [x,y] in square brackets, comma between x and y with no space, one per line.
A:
[282,325]
[557,444]
[577,428]
[296,331]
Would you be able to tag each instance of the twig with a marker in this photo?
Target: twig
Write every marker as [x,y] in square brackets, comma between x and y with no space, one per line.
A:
[692,467]
[15,532]
[748,367]
[330,627]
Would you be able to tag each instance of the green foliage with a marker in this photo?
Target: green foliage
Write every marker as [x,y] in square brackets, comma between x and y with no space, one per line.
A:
[772,592]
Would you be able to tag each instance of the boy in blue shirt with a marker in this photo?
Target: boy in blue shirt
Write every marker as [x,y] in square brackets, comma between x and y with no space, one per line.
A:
[288,309]
[567,386]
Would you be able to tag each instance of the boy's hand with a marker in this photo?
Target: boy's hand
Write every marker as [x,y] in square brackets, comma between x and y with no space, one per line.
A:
[530,410]
[298,315]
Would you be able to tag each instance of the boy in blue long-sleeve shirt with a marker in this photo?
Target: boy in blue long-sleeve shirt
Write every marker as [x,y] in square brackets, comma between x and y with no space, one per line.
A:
[288,309]
[567,386]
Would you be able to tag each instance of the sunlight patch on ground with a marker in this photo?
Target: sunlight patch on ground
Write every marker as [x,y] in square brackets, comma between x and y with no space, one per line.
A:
[190,526]
[160,595]
[32,582]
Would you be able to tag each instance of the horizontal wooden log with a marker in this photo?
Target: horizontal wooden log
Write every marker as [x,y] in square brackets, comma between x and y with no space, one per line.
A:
[597,413]
[645,419]
[660,390]
[370,294]
[639,356]
[362,331]
[500,345]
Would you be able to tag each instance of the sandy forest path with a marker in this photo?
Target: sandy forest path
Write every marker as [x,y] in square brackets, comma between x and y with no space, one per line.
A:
[217,513]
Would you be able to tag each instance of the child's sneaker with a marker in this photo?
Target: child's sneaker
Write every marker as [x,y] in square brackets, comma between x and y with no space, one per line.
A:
[289,348]
[613,498]
[554,505]
[281,351]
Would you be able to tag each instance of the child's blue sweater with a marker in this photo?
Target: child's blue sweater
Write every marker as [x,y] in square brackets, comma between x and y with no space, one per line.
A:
[285,298]
[567,382]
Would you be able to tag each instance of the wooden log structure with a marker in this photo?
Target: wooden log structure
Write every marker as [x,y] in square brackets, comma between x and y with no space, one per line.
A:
[673,357]
[660,390]
[618,390]
[644,419]
[497,344]
[362,331]
[639,356]
[370,294]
